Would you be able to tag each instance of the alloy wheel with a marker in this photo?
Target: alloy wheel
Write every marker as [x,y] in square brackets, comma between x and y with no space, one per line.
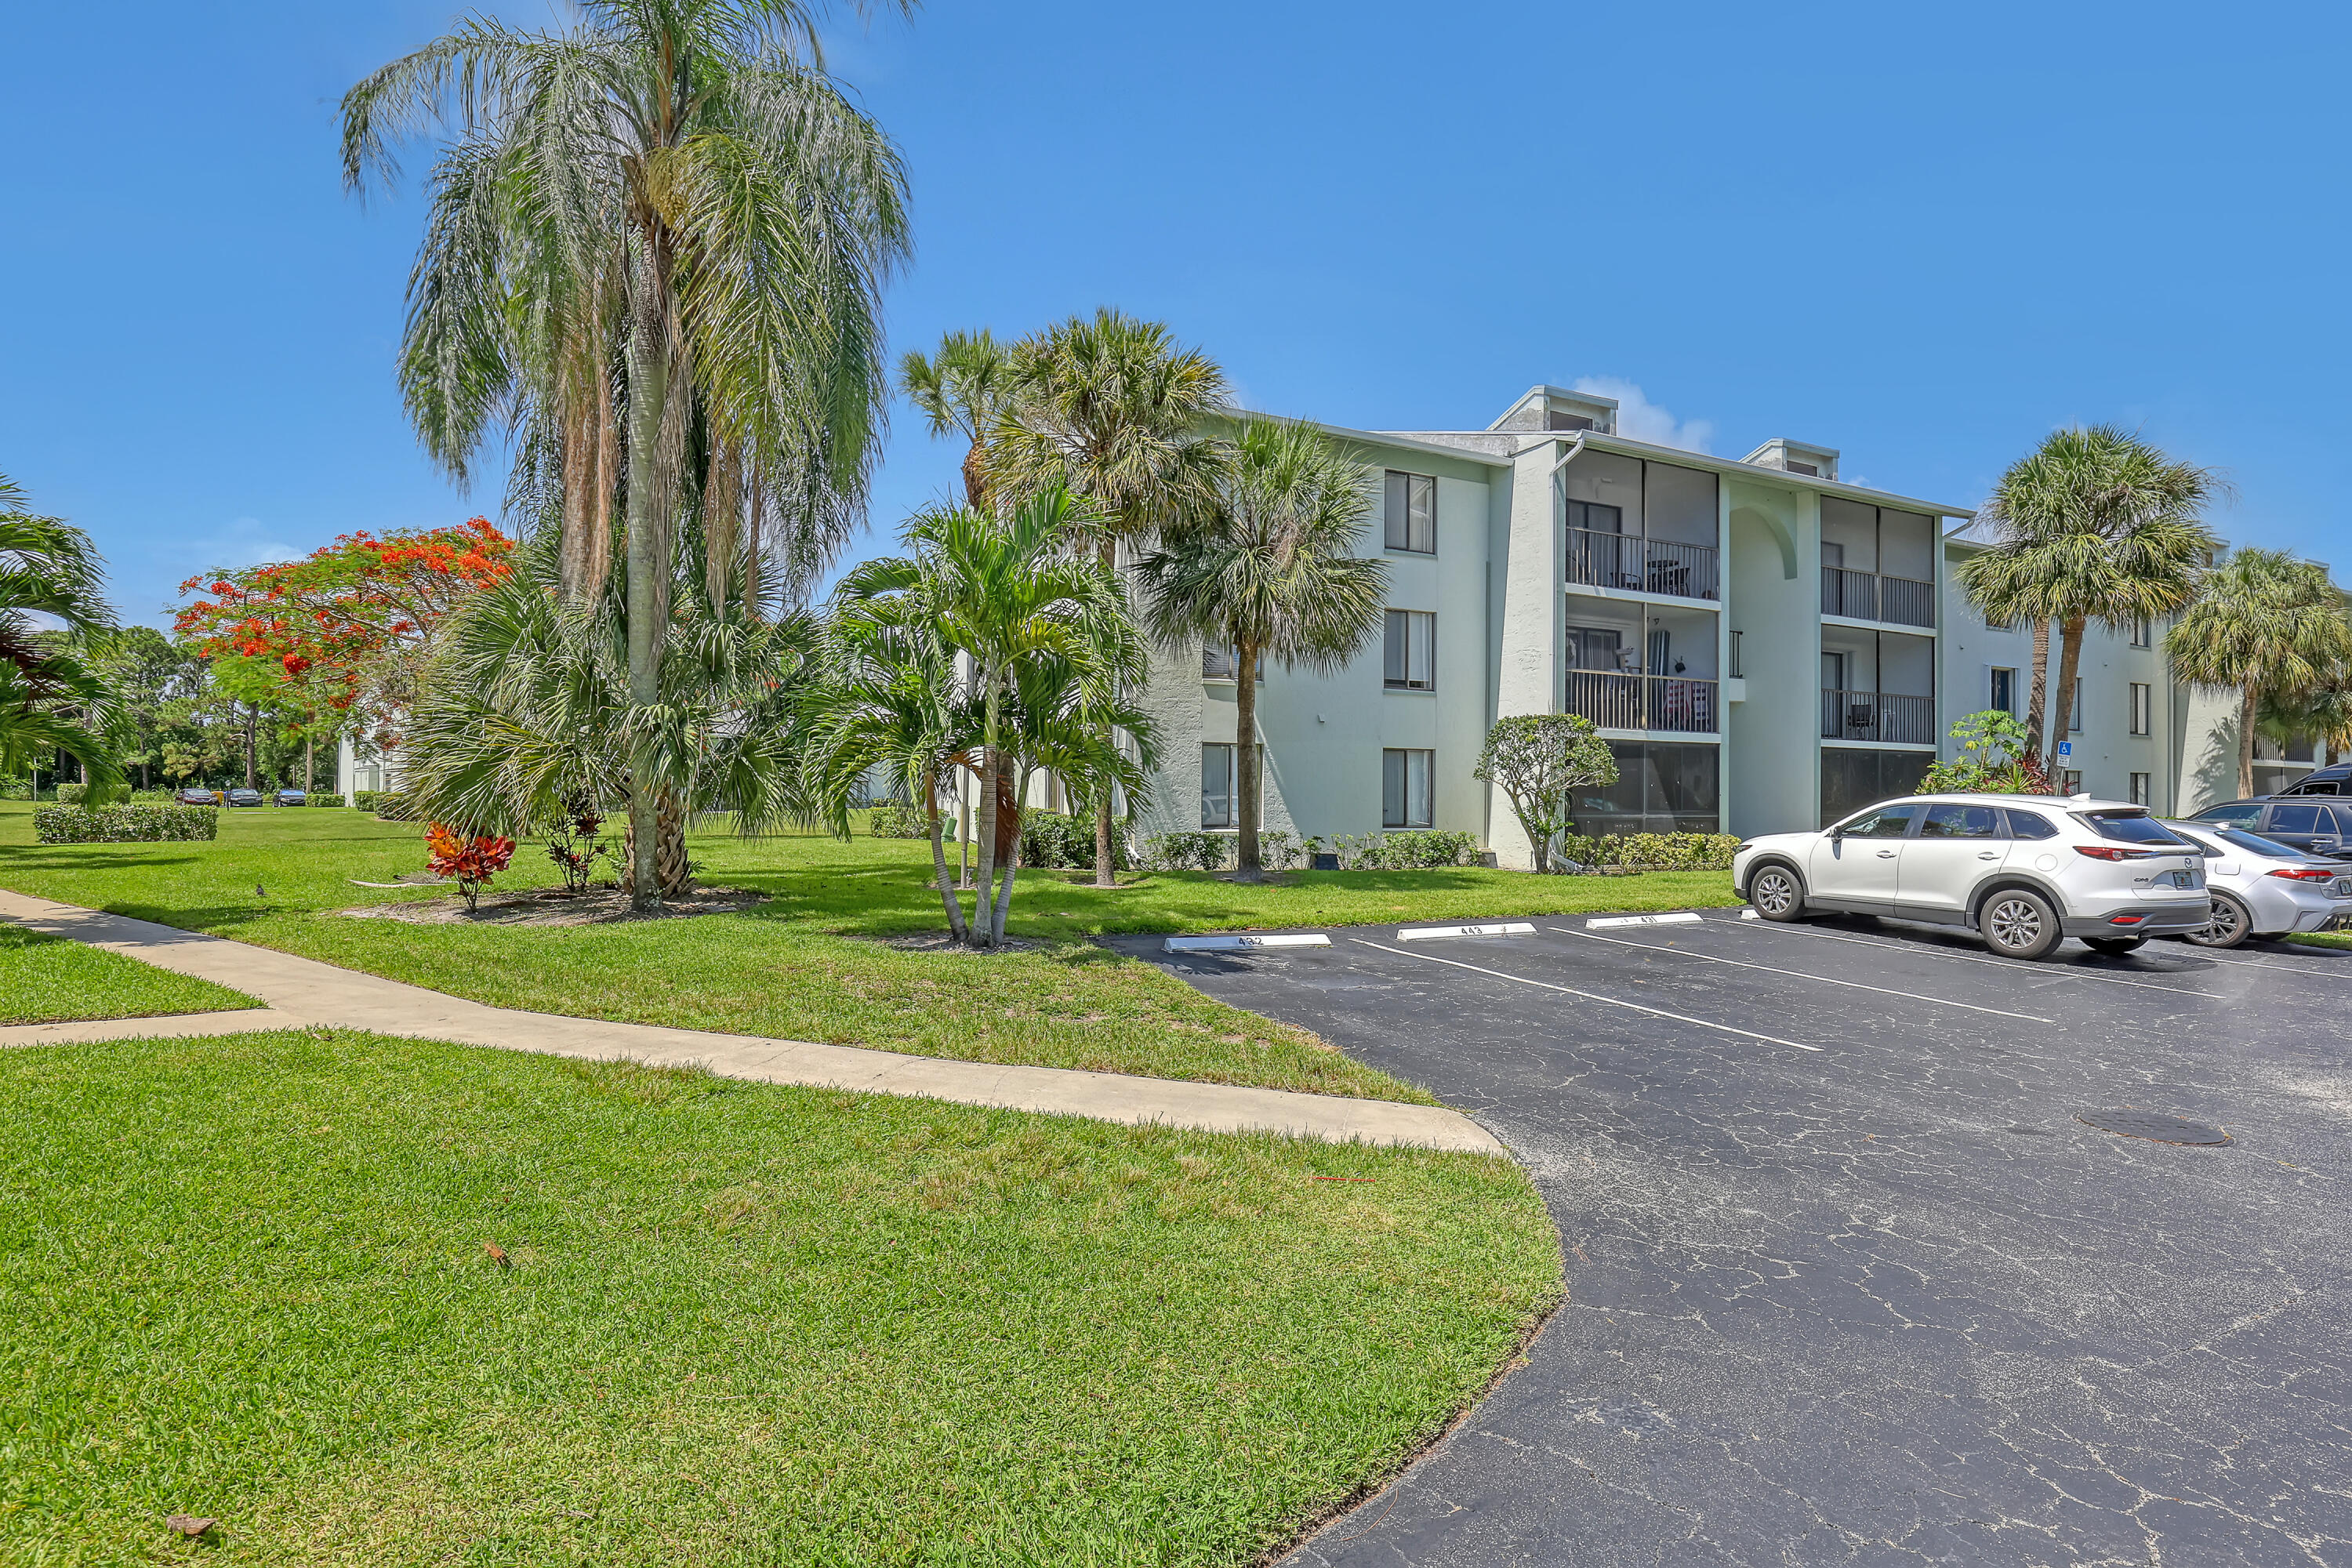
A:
[1774,892]
[2013,925]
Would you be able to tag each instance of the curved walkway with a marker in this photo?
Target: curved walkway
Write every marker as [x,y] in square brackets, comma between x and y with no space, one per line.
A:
[301,992]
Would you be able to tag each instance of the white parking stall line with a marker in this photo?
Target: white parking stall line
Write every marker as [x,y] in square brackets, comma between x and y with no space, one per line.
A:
[2022,969]
[1799,974]
[1589,995]
[1240,944]
[1422,933]
[1683,919]
[2278,968]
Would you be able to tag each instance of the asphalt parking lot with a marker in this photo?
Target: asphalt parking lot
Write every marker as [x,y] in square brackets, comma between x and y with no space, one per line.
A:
[1847,1281]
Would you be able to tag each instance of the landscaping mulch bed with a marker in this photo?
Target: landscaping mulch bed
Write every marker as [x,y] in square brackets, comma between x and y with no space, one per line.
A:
[940,941]
[555,907]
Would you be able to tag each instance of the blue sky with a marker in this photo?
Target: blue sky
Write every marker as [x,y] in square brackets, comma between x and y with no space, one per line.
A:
[1922,236]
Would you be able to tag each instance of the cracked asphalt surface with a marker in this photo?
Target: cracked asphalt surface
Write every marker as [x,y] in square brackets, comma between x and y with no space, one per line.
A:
[1882,1300]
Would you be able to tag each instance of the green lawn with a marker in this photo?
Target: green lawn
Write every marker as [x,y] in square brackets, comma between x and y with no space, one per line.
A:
[736,1323]
[794,968]
[47,980]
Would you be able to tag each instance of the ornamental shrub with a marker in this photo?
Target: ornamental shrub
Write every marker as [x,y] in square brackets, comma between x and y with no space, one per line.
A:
[72,795]
[15,789]
[125,824]
[317,799]
[1186,851]
[471,862]
[900,821]
[393,805]
[151,797]
[1653,851]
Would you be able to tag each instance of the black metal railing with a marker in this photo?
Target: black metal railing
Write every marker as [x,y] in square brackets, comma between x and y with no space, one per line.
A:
[1646,565]
[1877,716]
[1865,596]
[1674,703]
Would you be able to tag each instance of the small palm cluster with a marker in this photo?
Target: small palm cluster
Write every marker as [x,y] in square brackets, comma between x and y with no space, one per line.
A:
[2099,525]
[51,698]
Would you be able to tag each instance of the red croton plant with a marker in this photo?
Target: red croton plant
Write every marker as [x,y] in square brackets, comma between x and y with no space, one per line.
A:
[471,862]
[350,621]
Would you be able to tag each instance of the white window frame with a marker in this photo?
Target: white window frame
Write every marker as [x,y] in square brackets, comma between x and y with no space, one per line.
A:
[1403,761]
[1405,527]
[1408,651]
[1232,784]
[1993,673]
[2142,632]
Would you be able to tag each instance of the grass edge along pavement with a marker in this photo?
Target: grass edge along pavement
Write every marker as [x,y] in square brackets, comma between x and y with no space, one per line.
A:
[814,963]
[50,979]
[725,1321]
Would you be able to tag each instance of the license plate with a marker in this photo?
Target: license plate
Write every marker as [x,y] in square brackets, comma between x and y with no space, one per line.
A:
[2342,887]
[2188,879]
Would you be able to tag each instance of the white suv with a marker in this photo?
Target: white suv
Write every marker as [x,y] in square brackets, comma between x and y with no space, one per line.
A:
[2024,871]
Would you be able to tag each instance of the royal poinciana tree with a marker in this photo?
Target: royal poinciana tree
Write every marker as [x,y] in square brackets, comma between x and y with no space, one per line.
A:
[656,248]
[347,626]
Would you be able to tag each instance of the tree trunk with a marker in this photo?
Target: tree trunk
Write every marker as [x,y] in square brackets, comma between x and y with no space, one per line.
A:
[939,864]
[983,932]
[309,762]
[2041,688]
[1004,899]
[676,871]
[2246,707]
[1106,858]
[252,741]
[1248,867]
[648,394]
[2070,661]
[963,833]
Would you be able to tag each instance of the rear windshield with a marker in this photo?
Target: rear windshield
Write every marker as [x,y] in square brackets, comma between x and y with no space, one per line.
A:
[2130,826]
[2253,845]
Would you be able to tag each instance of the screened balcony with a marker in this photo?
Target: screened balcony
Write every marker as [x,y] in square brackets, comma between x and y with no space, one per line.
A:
[1640,667]
[1878,686]
[1877,565]
[1650,528]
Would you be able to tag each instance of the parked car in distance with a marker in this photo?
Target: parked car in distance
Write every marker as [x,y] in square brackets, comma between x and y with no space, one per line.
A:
[2316,827]
[191,796]
[288,797]
[245,798]
[2025,872]
[2262,888]
[2336,778]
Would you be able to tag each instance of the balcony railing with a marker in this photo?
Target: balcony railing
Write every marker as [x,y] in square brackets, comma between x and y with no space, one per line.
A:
[1902,601]
[1646,565]
[1877,716]
[1673,703]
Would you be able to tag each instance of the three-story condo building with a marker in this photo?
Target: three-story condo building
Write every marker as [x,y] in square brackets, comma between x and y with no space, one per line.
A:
[1762,645]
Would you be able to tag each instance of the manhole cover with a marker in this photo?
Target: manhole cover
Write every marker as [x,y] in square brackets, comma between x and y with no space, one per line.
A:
[2155,1128]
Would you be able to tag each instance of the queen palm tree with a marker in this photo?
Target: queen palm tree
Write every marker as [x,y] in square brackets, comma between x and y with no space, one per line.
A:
[2095,525]
[51,699]
[1013,595]
[1273,572]
[657,243]
[2266,625]
[1114,410]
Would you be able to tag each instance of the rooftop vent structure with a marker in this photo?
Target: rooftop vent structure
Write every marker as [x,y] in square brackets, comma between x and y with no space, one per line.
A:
[1560,411]
[1796,457]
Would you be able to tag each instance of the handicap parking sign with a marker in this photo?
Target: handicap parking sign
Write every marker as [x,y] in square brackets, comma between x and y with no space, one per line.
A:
[2065,748]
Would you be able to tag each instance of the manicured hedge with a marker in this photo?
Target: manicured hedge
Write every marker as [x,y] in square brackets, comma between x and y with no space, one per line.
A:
[71,794]
[124,823]
[317,799]
[898,822]
[1653,851]
[389,804]
[151,797]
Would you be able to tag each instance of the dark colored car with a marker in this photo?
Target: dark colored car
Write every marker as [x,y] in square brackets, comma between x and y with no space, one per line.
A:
[288,797]
[245,798]
[2333,779]
[191,796]
[2312,823]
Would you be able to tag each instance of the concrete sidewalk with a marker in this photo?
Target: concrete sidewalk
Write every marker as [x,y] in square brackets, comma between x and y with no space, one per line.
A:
[302,991]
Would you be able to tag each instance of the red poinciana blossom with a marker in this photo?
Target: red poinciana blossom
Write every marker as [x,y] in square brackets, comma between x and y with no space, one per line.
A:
[349,620]
[471,862]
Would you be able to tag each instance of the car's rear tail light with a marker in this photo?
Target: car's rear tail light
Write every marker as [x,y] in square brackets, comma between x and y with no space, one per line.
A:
[2126,920]
[2111,852]
[2306,873]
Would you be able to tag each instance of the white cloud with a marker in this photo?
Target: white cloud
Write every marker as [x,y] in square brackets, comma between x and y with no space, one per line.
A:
[245,542]
[1644,420]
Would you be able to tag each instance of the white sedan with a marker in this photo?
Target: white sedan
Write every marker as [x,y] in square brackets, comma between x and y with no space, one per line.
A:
[2262,888]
